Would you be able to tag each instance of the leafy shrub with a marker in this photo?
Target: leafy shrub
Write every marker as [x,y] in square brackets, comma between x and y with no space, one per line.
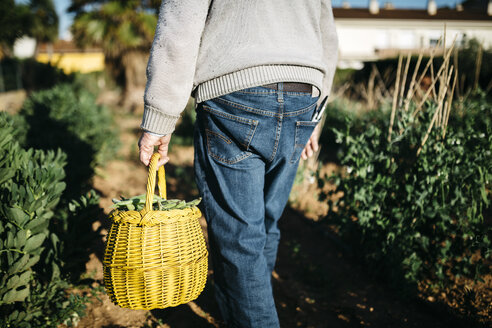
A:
[71,120]
[473,114]
[94,82]
[32,291]
[418,218]
[75,238]
[18,134]
[336,116]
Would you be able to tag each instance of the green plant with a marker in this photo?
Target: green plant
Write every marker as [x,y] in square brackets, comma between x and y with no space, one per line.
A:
[73,234]
[32,293]
[137,203]
[418,216]
[70,119]
[94,82]
[337,114]
[416,192]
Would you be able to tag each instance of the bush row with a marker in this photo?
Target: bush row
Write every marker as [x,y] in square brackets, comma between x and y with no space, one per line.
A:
[49,153]
[415,218]
[68,118]
[33,292]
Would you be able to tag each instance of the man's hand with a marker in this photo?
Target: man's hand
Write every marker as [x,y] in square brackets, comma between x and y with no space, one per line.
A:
[146,145]
[312,144]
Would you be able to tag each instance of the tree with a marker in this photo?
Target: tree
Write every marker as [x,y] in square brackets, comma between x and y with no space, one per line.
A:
[479,5]
[125,31]
[37,19]
[15,22]
[44,24]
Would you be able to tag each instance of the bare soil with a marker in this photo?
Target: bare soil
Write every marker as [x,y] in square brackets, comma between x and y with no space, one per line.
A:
[11,101]
[315,283]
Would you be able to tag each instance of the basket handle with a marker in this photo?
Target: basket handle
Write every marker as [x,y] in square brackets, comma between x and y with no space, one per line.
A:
[161,183]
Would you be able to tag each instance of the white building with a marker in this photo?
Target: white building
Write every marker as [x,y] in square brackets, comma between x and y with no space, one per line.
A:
[373,33]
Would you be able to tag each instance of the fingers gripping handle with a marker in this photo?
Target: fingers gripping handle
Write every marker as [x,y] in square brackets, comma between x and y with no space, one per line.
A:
[161,181]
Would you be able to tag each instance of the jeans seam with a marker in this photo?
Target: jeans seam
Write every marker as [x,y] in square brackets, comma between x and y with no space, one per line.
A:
[223,160]
[278,131]
[245,154]
[251,136]
[296,138]
[229,116]
[218,135]
[300,111]
[245,108]
[264,112]
[292,160]
[307,123]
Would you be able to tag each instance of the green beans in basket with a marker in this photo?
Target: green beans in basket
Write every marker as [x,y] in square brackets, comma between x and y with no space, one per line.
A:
[159,204]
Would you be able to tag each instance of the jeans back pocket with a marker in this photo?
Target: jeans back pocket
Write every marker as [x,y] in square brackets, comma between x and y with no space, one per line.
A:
[304,130]
[228,136]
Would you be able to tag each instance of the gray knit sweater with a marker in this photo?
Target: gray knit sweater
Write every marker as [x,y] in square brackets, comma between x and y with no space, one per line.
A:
[208,48]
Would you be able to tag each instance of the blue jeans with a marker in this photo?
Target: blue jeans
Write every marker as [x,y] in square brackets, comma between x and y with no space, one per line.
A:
[247,149]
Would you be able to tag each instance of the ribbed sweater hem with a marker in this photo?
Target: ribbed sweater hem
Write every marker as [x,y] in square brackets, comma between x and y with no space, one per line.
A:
[256,76]
[158,122]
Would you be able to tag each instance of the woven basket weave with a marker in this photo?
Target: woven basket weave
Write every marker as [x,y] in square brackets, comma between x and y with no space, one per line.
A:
[155,259]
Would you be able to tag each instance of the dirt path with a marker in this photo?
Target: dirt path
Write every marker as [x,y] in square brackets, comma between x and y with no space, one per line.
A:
[315,285]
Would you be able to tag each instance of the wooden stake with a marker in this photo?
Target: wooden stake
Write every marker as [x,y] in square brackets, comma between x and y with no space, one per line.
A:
[404,80]
[442,96]
[370,89]
[395,97]
[450,101]
[412,83]
[434,118]
[381,83]
[477,67]
[455,62]
[446,58]
[432,78]
[417,85]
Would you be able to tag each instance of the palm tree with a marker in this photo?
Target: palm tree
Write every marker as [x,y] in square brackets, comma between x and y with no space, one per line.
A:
[124,30]
[44,22]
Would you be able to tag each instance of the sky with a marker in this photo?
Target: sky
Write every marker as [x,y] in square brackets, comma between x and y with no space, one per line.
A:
[66,19]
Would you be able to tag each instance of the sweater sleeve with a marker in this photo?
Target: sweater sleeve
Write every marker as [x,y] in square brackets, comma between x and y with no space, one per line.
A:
[330,46]
[171,66]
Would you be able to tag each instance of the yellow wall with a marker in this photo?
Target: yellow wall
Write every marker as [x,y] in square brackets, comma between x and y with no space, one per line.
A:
[79,61]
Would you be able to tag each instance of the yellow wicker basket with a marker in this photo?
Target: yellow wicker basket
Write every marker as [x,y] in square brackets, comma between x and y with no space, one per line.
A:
[155,259]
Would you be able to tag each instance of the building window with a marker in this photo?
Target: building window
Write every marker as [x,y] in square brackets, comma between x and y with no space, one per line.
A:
[433,42]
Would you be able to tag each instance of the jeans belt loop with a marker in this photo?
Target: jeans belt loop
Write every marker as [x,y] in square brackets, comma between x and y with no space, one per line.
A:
[280,93]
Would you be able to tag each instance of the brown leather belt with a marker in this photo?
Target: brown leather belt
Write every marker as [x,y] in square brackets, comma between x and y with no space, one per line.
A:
[292,87]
